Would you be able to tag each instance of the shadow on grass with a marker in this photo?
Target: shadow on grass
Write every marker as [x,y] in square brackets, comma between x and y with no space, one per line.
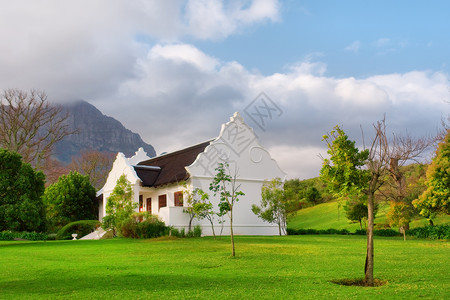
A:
[358,282]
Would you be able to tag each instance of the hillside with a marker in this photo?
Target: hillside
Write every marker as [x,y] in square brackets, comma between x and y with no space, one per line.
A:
[97,132]
[325,216]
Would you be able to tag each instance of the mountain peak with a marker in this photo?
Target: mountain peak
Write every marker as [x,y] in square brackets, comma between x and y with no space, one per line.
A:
[97,132]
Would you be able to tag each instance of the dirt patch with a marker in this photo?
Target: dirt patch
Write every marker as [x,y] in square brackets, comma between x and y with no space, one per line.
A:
[358,282]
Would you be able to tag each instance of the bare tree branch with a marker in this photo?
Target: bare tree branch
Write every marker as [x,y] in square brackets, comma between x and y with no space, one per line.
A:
[30,125]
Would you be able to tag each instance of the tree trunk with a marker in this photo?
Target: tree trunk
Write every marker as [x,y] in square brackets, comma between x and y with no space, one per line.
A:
[190,224]
[431,222]
[212,226]
[279,227]
[233,253]
[368,278]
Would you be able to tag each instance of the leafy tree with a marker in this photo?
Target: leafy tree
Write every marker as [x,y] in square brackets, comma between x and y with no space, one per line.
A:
[225,185]
[356,209]
[274,204]
[30,126]
[21,189]
[70,199]
[436,198]
[203,208]
[351,172]
[399,215]
[119,205]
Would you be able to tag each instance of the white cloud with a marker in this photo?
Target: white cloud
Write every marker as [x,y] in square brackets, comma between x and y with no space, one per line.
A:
[127,58]
[354,47]
[212,19]
[84,48]
[177,104]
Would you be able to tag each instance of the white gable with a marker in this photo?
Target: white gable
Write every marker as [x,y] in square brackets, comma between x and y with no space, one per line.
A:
[238,145]
[120,166]
[139,156]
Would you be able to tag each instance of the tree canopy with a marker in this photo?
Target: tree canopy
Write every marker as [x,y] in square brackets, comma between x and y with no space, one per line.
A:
[21,189]
[119,206]
[70,199]
[436,198]
[274,204]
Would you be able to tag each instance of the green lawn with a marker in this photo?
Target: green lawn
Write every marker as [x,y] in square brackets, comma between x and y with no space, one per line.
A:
[289,267]
[325,216]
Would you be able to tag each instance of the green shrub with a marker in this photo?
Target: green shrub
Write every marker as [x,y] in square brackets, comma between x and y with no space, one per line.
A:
[439,232]
[129,228]
[31,236]
[360,232]
[142,226]
[386,232]
[151,227]
[6,236]
[174,232]
[300,231]
[51,236]
[197,231]
[81,228]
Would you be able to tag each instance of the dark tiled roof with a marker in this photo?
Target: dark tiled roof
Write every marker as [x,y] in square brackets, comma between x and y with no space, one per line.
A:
[148,174]
[172,166]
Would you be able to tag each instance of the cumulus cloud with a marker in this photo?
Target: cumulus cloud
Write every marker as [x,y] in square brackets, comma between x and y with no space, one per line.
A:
[188,96]
[214,19]
[128,59]
[84,49]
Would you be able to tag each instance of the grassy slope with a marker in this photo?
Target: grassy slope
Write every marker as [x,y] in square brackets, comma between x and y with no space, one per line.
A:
[324,216]
[289,267]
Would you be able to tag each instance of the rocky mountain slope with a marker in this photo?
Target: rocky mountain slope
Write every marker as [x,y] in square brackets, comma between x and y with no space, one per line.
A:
[97,132]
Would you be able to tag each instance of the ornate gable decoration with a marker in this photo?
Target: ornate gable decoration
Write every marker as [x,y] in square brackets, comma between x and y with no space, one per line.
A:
[238,145]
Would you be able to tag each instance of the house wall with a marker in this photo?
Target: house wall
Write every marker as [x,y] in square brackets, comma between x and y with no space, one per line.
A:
[250,163]
[171,215]
[236,145]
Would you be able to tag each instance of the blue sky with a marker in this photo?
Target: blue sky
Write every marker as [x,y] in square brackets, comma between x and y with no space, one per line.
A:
[354,38]
[174,71]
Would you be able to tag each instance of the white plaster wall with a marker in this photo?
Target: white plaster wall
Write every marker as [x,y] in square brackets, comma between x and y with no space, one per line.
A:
[250,162]
[245,222]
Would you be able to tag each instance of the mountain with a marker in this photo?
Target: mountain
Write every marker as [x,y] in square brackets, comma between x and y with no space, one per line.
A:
[97,132]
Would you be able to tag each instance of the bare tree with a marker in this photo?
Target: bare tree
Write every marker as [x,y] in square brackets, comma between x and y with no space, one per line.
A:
[30,126]
[403,149]
[96,165]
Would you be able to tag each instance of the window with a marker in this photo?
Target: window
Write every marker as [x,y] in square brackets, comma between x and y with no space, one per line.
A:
[141,203]
[178,196]
[149,205]
[162,199]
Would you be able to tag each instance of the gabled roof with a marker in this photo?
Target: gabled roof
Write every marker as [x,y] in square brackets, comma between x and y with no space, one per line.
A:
[170,167]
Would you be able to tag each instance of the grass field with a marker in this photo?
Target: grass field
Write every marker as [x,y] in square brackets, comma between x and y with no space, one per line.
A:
[289,267]
[325,216]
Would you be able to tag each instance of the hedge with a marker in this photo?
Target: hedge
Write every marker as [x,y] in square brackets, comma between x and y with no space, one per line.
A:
[81,228]
[30,236]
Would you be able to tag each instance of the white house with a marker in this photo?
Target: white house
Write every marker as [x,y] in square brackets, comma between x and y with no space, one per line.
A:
[156,182]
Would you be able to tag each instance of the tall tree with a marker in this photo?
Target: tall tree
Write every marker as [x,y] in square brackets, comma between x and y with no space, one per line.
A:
[94,164]
[71,198]
[226,186]
[30,125]
[21,189]
[274,204]
[436,198]
[119,205]
[350,172]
